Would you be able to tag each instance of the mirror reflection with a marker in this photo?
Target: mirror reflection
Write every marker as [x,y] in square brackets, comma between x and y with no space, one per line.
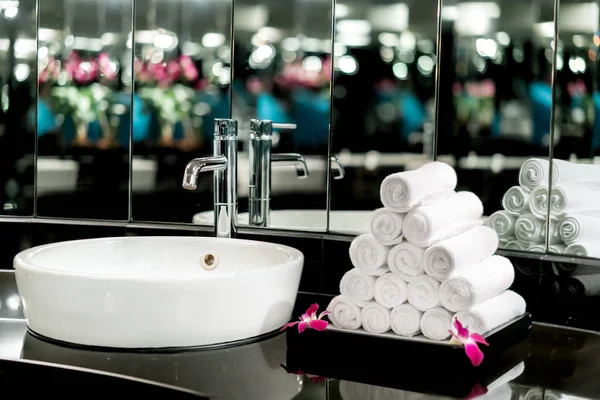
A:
[574,201]
[282,69]
[17,106]
[83,111]
[182,76]
[383,99]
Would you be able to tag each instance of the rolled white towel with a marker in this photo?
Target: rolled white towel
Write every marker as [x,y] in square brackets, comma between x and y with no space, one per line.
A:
[345,314]
[584,249]
[534,172]
[516,200]
[460,251]
[503,223]
[375,318]
[390,291]
[423,293]
[357,286]
[529,229]
[493,312]
[514,245]
[436,323]
[386,226]
[582,197]
[553,248]
[469,286]
[367,254]
[406,261]
[406,320]
[577,227]
[402,191]
[429,224]
[554,232]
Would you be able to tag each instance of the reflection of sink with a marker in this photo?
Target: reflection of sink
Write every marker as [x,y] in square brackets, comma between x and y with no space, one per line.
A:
[250,372]
[56,176]
[152,292]
[353,222]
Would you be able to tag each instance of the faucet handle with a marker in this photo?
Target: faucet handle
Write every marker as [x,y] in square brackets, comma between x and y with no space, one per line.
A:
[337,169]
[294,159]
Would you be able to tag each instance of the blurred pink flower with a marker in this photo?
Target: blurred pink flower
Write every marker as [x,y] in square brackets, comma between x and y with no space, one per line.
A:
[461,335]
[310,320]
[108,71]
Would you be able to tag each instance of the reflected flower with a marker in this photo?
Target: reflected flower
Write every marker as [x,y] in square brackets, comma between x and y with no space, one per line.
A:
[310,320]
[314,378]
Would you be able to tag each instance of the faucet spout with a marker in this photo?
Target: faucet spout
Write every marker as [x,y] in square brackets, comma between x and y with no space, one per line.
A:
[202,164]
[295,159]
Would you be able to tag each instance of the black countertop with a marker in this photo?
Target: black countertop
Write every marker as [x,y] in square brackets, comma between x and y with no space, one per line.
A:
[553,363]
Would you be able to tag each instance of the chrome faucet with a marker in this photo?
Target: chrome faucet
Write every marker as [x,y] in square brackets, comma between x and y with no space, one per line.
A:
[224,164]
[260,158]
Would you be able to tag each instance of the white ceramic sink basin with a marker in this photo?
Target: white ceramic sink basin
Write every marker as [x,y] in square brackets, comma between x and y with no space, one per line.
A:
[352,222]
[154,292]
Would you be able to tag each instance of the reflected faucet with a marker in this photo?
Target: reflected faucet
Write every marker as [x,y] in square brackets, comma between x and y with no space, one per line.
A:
[224,165]
[260,159]
[337,169]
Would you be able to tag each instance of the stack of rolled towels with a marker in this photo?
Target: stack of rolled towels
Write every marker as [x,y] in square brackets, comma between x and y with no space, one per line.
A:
[573,206]
[427,259]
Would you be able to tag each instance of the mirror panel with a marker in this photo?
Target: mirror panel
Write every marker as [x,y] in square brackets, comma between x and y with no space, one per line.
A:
[18,71]
[383,101]
[575,200]
[182,82]
[84,108]
[282,73]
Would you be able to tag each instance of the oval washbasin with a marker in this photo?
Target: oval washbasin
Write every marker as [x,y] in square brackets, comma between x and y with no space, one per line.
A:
[154,292]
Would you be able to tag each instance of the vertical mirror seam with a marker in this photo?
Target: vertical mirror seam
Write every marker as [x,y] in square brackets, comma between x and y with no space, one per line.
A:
[131,118]
[434,142]
[37,99]
[331,119]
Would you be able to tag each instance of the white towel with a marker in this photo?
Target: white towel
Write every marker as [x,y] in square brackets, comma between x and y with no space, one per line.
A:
[553,248]
[429,224]
[501,388]
[462,250]
[406,261]
[514,245]
[516,200]
[578,227]
[390,291]
[577,197]
[584,249]
[375,318]
[386,226]
[357,286]
[402,191]
[503,223]
[534,172]
[554,232]
[406,320]
[590,283]
[493,312]
[529,229]
[345,314]
[469,286]
[436,323]
[367,254]
[423,293]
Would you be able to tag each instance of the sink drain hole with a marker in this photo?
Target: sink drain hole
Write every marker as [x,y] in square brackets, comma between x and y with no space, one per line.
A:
[210,261]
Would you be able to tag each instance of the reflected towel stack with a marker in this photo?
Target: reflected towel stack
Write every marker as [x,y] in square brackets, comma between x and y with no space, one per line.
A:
[427,257]
[522,224]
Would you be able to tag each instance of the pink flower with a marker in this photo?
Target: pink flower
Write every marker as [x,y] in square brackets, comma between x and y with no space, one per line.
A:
[106,68]
[462,336]
[310,319]
[314,378]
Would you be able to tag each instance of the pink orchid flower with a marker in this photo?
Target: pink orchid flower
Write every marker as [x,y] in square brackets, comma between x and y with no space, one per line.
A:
[309,319]
[461,335]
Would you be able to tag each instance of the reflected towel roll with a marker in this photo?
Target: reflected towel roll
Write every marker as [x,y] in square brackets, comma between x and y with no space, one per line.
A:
[503,223]
[345,314]
[469,286]
[515,245]
[572,197]
[534,172]
[436,323]
[553,248]
[460,251]
[579,228]
[529,229]
[406,261]
[367,254]
[357,286]
[431,182]
[423,293]
[538,202]
[406,320]
[386,226]
[516,200]
[375,318]
[588,284]
[584,249]
[390,290]
[493,312]
[432,223]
